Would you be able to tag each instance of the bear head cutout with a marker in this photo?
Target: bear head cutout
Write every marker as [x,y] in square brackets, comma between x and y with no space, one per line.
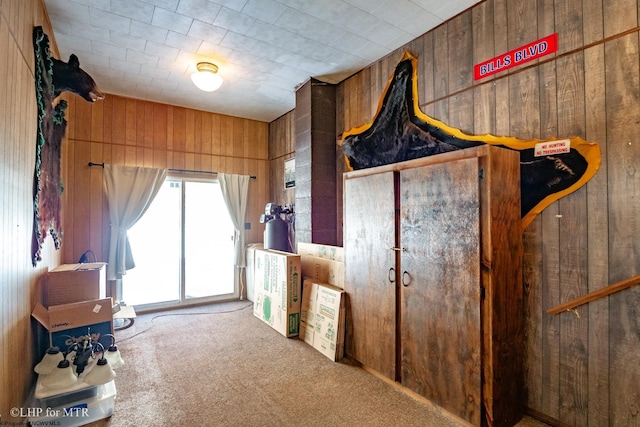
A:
[68,76]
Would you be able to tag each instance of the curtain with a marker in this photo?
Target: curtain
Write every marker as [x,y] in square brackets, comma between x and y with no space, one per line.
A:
[235,191]
[130,191]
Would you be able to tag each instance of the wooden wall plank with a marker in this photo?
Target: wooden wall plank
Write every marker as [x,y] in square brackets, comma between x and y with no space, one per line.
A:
[107,117]
[95,200]
[130,121]
[623,151]
[617,17]
[97,125]
[141,123]
[441,72]
[179,129]
[573,254]
[190,130]
[197,131]
[597,224]
[501,85]
[160,127]
[460,41]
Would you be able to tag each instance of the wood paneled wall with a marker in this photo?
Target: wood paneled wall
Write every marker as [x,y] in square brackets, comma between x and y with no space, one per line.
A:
[126,131]
[282,146]
[18,277]
[582,370]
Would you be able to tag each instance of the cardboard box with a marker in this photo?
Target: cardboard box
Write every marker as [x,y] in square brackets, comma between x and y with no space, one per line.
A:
[250,269]
[277,290]
[322,263]
[333,253]
[67,322]
[323,270]
[69,283]
[322,318]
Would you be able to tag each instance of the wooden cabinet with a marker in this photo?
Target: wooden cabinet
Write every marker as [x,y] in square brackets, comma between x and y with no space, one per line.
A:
[433,273]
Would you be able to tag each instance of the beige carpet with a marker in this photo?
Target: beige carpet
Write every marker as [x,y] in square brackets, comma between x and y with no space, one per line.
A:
[218,365]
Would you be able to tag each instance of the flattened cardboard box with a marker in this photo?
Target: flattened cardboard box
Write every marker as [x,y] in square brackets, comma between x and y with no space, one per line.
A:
[67,322]
[277,290]
[322,318]
[323,270]
[69,283]
[333,253]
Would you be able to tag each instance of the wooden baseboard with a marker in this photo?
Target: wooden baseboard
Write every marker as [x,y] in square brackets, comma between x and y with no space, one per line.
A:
[544,418]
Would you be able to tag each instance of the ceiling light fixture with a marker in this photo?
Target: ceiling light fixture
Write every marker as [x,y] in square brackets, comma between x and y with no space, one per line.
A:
[206,78]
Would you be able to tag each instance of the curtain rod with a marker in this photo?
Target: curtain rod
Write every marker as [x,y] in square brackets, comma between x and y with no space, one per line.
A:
[172,170]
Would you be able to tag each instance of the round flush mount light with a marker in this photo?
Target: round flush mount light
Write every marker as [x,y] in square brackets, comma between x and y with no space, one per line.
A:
[206,78]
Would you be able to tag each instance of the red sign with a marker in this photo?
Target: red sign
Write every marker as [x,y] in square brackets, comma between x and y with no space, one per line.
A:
[521,55]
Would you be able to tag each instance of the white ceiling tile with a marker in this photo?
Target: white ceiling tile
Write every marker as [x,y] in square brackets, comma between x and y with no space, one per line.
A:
[109,50]
[124,66]
[382,32]
[231,4]
[445,9]
[207,32]
[69,10]
[171,21]
[106,73]
[298,22]
[160,50]
[163,85]
[407,16]
[265,10]
[182,42]
[79,43]
[137,79]
[202,10]
[154,72]
[109,20]
[90,32]
[371,51]
[148,32]
[133,9]
[230,19]
[213,51]
[171,5]
[126,40]
[98,4]
[135,57]
[416,26]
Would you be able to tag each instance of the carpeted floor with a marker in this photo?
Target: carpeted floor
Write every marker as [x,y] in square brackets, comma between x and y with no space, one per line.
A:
[218,365]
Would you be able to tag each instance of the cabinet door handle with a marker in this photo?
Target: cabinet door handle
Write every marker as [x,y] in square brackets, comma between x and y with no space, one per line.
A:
[393,248]
[392,275]
[406,279]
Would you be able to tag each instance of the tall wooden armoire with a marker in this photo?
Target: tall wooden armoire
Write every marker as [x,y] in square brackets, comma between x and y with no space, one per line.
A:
[433,272]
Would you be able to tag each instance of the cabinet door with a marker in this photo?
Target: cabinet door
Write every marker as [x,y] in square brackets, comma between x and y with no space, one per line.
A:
[440,296]
[369,235]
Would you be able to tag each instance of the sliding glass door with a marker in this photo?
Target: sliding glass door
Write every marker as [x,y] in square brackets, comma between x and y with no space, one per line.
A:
[183,248]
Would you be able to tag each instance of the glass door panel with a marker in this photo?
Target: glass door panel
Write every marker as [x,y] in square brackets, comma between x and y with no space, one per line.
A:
[155,245]
[208,242]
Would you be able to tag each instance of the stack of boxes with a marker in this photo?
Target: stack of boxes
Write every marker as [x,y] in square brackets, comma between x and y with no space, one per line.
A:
[322,320]
[301,295]
[73,304]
